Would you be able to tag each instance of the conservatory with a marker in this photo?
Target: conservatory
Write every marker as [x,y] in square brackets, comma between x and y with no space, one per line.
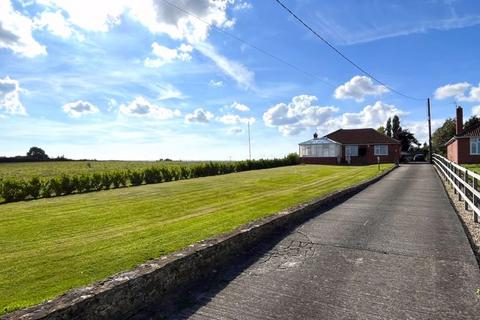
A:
[321,148]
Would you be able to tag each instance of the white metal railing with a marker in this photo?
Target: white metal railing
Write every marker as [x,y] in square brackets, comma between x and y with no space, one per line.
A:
[465,183]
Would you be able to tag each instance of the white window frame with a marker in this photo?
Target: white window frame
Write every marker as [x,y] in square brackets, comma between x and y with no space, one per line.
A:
[377,150]
[350,148]
[475,142]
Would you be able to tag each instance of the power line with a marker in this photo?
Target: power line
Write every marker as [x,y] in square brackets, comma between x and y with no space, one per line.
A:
[309,74]
[341,54]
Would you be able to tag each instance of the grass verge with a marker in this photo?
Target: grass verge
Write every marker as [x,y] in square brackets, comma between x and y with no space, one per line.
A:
[52,245]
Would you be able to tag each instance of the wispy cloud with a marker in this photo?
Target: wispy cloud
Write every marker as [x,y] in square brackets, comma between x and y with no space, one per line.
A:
[389,20]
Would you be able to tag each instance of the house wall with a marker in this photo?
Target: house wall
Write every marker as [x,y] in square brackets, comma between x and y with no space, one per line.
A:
[463,152]
[318,160]
[452,151]
[370,158]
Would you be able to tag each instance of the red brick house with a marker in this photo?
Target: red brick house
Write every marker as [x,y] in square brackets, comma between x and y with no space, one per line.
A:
[464,147]
[350,146]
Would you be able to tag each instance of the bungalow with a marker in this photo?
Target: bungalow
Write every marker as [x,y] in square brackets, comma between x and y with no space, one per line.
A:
[464,147]
[351,146]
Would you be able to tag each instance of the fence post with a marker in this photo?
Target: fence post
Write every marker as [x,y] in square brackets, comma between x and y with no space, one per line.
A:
[465,190]
[475,200]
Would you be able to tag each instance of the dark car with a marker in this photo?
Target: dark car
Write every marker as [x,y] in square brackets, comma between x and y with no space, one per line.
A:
[419,157]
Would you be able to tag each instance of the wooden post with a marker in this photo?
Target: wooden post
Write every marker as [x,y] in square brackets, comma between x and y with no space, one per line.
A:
[465,190]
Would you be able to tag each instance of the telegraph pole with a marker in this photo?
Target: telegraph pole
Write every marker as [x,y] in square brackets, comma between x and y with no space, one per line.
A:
[249,145]
[430,151]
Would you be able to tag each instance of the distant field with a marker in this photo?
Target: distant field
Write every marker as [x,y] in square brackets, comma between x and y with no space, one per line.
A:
[51,245]
[49,169]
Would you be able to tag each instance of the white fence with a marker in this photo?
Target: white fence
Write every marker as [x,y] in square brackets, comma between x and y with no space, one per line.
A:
[465,183]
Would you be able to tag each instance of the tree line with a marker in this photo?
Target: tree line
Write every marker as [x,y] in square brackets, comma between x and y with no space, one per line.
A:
[34,154]
[12,189]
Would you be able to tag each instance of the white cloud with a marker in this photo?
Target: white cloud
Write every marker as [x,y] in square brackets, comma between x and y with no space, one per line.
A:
[199,115]
[55,23]
[90,15]
[141,107]
[164,55]
[233,69]
[161,17]
[358,88]
[299,114]
[462,91]
[242,5]
[156,15]
[10,97]
[371,116]
[16,32]
[234,130]
[216,84]
[79,108]
[240,107]
[167,92]
[233,119]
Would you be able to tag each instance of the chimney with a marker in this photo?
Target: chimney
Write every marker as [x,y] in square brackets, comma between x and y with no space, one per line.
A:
[459,121]
[315,135]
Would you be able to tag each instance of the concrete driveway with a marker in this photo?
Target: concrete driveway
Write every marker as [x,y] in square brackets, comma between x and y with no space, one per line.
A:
[394,251]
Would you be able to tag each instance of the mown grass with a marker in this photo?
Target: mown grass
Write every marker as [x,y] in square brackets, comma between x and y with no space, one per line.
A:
[474,167]
[51,245]
[49,169]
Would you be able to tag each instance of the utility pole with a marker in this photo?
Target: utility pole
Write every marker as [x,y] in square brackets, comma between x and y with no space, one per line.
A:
[430,150]
[249,145]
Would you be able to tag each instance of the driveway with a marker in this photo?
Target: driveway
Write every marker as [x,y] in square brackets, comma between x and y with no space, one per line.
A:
[396,250]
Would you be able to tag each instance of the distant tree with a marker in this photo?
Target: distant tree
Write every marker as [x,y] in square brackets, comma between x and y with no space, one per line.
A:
[407,139]
[381,129]
[396,129]
[472,122]
[37,154]
[442,135]
[388,127]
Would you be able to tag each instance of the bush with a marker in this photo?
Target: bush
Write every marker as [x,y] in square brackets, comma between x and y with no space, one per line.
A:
[106,180]
[13,190]
[34,187]
[135,177]
[16,190]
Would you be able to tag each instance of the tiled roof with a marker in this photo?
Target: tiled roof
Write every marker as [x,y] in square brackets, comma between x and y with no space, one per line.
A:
[472,132]
[361,136]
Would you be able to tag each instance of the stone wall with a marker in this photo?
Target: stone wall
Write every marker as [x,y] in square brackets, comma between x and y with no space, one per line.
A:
[163,280]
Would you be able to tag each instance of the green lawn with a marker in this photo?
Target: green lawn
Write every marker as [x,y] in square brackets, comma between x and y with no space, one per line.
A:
[51,245]
[474,167]
[49,169]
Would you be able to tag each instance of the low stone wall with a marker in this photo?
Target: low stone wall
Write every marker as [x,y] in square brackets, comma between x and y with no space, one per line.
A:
[161,281]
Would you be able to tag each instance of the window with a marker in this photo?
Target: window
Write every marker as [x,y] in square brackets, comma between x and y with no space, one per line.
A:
[351,151]
[475,146]
[380,150]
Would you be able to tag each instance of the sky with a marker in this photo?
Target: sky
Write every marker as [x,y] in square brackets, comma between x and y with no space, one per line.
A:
[145,79]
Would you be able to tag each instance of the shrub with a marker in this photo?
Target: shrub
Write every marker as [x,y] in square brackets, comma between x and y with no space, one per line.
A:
[66,185]
[84,183]
[34,187]
[96,182]
[152,175]
[119,179]
[106,180]
[135,177]
[13,190]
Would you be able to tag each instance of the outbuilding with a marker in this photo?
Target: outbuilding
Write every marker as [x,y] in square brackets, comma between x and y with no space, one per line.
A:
[464,147]
[350,146]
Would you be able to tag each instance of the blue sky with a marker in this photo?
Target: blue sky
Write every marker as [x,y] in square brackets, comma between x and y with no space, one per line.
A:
[143,80]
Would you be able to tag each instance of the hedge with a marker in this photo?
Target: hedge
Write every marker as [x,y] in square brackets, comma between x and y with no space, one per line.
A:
[12,190]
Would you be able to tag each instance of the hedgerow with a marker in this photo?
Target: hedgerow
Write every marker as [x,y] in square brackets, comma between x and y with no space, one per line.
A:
[12,190]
